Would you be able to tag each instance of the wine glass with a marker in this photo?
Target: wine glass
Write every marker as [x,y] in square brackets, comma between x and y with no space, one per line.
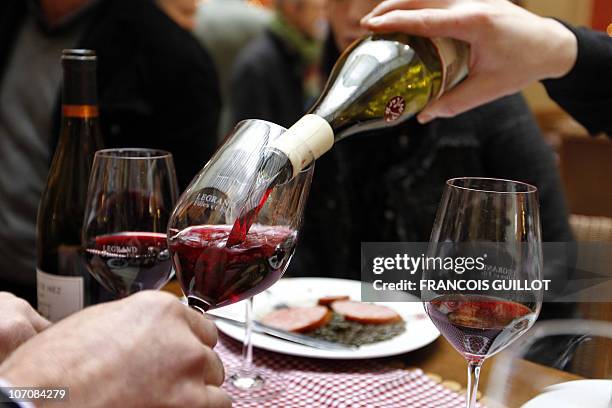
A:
[213,266]
[130,197]
[487,232]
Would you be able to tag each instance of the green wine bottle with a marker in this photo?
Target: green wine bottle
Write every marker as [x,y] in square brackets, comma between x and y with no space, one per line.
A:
[380,81]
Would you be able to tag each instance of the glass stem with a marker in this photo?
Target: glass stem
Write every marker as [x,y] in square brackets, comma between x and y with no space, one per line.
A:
[247,345]
[472,385]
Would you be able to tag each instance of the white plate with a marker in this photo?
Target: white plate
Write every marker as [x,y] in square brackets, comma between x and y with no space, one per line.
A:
[305,292]
[575,394]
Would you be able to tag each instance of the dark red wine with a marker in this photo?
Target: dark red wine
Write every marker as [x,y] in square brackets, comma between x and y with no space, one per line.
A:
[479,326]
[128,262]
[274,170]
[214,274]
[243,224]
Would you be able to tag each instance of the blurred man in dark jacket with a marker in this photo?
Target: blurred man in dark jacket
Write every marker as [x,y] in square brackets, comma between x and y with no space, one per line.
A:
[157,88]
[276,77]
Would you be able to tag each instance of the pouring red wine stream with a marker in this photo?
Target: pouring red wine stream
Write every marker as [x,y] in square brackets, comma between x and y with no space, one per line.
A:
[380,81]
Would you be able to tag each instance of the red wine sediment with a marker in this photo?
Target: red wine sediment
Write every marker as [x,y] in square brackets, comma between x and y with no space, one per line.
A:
[214,274]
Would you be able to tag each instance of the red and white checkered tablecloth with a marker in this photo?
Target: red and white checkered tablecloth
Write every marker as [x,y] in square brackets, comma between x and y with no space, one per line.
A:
[314,383]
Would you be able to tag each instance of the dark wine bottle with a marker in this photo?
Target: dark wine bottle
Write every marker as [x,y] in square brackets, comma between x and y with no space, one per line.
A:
[63,284]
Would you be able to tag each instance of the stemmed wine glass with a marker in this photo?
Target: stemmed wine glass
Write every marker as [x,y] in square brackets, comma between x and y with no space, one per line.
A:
[495,224]
[130,197]
[216,271]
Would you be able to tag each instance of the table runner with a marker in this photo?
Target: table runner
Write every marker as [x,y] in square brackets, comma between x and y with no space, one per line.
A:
[314,383]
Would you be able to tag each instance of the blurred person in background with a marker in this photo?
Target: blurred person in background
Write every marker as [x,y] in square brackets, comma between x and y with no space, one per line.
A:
[276,77]
[385,185]
[225,27]
[183,12]
[157,89]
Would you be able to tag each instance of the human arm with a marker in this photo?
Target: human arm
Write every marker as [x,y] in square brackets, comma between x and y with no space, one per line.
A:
[510,46]
[146,350]
[18,323]
[586,91]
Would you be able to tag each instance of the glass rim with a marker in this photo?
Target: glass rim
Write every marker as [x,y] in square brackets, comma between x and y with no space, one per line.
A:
[267,122]
[308,167]
[529,188]
[116,153]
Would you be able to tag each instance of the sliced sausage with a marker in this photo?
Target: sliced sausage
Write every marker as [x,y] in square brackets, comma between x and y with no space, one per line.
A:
[365,313]
[298,319]
[328,300]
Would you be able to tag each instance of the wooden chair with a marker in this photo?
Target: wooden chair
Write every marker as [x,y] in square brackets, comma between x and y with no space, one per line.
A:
[587,228]
[594,358]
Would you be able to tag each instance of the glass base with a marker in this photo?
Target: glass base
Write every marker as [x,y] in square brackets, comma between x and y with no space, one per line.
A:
[253,385]
[246,381]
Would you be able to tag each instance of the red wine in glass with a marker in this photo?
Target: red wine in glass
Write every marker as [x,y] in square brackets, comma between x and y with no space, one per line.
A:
[127,262]
[479,326]
[274,170]
[243,224]
[214,274]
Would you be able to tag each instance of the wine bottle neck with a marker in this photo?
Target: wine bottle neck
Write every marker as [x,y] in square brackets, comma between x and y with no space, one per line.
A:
[305,141]
[79,90]
[80,111]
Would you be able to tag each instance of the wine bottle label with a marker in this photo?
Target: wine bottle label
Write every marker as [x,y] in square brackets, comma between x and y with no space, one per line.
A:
[394,108]
[455,58]
[59,296]
[305,141]
[80,111]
